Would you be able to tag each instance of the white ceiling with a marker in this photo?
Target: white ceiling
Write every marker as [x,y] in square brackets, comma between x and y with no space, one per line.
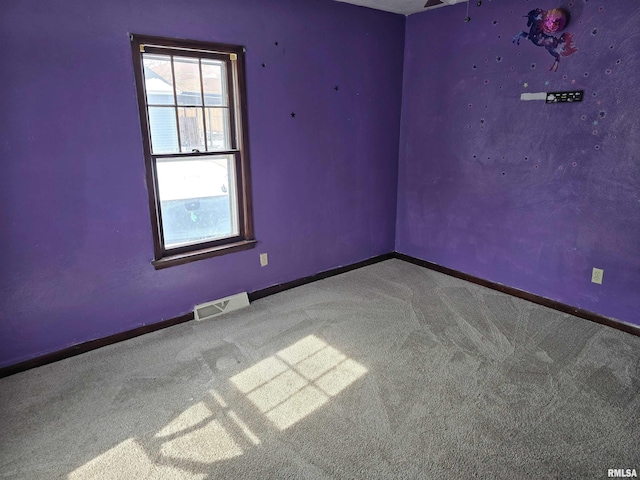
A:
[404,7]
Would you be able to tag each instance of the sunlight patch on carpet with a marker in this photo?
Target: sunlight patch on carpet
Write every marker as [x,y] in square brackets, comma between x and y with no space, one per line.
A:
[191,417]
[208,444]
[200,434]
[243,426]
[128,460]
[285,387]
[297,380]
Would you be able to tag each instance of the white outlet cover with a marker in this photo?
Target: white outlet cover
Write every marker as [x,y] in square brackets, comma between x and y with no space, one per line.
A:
[596,275]
[264,260]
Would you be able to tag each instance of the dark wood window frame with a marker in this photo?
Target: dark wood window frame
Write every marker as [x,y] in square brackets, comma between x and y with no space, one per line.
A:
[233,55]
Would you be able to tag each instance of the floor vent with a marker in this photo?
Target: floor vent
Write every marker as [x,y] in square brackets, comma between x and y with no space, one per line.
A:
[208,310]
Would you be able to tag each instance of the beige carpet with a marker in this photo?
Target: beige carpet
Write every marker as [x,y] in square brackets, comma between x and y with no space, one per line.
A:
[389,371]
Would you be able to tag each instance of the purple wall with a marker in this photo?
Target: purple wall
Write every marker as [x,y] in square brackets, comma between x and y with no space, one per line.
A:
[76,241]
[522,193]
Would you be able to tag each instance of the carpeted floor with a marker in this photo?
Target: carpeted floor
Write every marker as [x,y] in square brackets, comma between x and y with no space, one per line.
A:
[389,371]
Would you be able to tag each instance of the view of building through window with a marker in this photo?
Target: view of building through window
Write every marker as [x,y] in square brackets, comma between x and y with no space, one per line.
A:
[194,114]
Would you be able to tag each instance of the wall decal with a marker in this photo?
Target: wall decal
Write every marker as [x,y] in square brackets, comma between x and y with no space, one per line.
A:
[554,20]
[565,97]
[558,47]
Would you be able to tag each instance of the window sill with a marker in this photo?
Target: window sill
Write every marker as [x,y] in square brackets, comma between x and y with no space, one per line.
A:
[181,258]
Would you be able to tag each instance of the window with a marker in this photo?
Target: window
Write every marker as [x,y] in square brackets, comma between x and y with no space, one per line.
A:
[191,98]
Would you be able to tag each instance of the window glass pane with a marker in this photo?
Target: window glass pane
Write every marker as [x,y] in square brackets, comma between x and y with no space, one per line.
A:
[191,129]
[164,131]
[187,73]
[158,81]
[233,195]
[218,132]
[198,201]
[214,79]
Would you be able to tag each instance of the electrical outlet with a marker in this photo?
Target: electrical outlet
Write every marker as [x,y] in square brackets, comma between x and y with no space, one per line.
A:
[264,260]
[596,276]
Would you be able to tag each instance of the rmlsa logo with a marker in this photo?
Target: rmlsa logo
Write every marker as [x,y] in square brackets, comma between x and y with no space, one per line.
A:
[622,473]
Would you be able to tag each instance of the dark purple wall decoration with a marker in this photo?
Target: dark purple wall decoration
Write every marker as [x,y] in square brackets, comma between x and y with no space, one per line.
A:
[524,193]
[76,241]
[561,46]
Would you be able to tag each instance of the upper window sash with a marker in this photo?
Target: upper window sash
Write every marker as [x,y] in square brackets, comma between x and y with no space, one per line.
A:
[187,109]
